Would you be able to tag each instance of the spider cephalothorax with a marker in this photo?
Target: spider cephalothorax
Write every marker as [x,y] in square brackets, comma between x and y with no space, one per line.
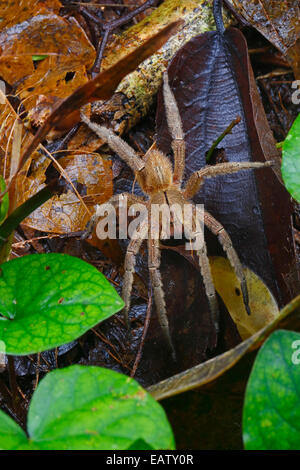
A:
[163,185]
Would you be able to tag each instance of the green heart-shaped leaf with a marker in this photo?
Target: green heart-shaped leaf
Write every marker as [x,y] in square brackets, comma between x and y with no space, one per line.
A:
[81,408]
[12,437]
[271,418]
[291,160]
[51,299]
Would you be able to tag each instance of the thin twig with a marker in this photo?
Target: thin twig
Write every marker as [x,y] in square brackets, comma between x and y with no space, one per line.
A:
[64,142]
[104,340]
[37,371]
[110,26]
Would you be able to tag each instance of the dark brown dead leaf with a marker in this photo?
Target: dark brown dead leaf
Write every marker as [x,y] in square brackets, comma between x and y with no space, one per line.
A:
[137,92]
[279,22]
[210,79]
[289,318]
[59,39]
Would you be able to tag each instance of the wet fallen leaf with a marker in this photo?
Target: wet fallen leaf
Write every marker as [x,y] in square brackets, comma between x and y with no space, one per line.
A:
[67,113]
[211,78]
[88,174]
[66,50]
[279,22]
[211,370]
[92,177]
[137,92]
[262,303]
[263,306]
[12,11]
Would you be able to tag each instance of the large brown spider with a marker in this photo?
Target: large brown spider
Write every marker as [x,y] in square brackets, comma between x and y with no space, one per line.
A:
[163,185]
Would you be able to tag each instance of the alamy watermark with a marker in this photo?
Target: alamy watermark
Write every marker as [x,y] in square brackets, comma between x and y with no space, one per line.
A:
[157,221]
[296,94]
[2,355]
[296,353]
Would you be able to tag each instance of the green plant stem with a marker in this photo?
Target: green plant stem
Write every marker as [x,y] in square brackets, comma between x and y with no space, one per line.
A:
[221,137]
[20,213]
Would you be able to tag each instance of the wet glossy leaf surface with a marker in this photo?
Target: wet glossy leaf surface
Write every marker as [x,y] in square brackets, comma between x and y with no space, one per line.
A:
[279,22]
[39,32]
[271,413]
[211,83]
[209,417]
[67,113]
[81,408]
[54,298]
[90,174]
[262,304]
[13,12]
[12,436]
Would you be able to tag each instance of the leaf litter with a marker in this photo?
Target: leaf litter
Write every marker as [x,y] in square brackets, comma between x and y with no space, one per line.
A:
[176,272]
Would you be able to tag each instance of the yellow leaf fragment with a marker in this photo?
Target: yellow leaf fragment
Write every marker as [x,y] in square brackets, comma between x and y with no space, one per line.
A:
[262,304]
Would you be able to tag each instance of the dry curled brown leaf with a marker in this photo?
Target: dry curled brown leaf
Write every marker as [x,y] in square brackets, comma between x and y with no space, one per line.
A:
[278,21]
[38,53]
[92,177]
[67,113]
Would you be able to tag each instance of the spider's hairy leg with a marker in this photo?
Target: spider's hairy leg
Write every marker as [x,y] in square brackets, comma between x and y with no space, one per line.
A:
[209,285]
[119,199]
[129,265]
[117,144]
[131,199]
[197,178]
[175,128]
[205,270]
[217,229]
[159,296]
[116,200]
